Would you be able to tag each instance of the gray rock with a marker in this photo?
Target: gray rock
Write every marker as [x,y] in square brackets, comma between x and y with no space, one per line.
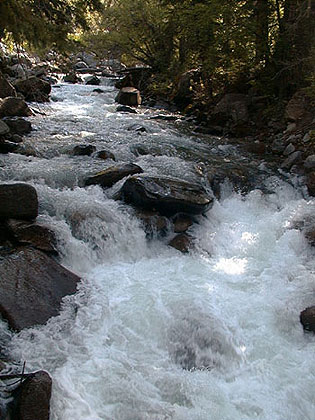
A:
[309,162]
[291,160]
[18,201]
[289,149]
[80,65]
[168,196]
[306,138]
[33,89]
[83,150]
[111,175]
[31,287]
[92,80]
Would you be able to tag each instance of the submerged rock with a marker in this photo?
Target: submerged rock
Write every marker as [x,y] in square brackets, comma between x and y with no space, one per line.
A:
[33,401]
[307,318]
[18,201]
[153,222]
[105,154]
[31,287]
[125,108]
[168,196]
[8,147]
[111,175]
[182,223]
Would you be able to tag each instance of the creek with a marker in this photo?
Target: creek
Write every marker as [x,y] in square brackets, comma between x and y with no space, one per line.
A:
[153,334]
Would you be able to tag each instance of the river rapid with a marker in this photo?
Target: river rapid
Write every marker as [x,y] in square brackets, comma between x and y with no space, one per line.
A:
[153,334]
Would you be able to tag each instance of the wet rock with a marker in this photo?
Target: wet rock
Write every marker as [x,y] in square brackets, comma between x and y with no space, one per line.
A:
[129,96]
[239,177]
[16,138]
[4,128]
[165,117]
[291,160]
[33,234]
[289,149]
[153,222]
[307,318]
[143,149]
[18,201]
[18,125]
[111,175]
[124,108]
[80,65]
[11,107]
[33,89]
[33,401]
[72,77]
[182,222]
[105,154]
[310,183]
[168,196]
[32,286]
[309,163]
[182,243]
[92,80]
[8,147]
[83,150]
[6,89]
[137,128]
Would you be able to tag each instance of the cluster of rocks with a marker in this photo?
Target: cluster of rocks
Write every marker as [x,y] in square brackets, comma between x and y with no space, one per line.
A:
[32,283]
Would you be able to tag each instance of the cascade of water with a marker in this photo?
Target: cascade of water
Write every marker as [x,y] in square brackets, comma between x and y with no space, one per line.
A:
[154,334]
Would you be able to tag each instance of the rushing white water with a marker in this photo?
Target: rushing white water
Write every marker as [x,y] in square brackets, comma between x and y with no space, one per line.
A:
[153,334]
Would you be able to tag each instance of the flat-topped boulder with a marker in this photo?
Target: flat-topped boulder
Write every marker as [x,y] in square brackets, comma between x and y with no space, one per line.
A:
[111,175]
[18,125]
[18,201]
[168,196]
[31,287]
[128,96]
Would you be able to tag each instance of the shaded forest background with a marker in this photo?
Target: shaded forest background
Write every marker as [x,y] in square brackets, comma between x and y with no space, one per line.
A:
[263,47]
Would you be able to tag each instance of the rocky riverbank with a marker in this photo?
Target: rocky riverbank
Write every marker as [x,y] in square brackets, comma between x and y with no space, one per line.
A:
[28,249]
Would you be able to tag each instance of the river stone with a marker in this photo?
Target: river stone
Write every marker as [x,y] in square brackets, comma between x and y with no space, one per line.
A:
[11,107]
[182,223]
[31,287]
[33,234]
[105,154]
[92,80]
[18,201]
[33,89]
[128,96]
[309,163]
[125,108]
[307,318]
[168,196]
[294,158]
[4,128]
[6,89]
[33,401]
[111,175]
[8,147]
[18,125]
[153,222]
[181,242]
[83,150]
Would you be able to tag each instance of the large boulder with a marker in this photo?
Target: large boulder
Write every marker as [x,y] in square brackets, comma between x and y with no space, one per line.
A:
[32,286]
[6,89]
[111,175]
[129,96]
[11,107]
[18,201]
[33,89]
[33,401]
[18,125]
[168,196]
[33,234]
[4,128]
[234,107]
[298,107]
